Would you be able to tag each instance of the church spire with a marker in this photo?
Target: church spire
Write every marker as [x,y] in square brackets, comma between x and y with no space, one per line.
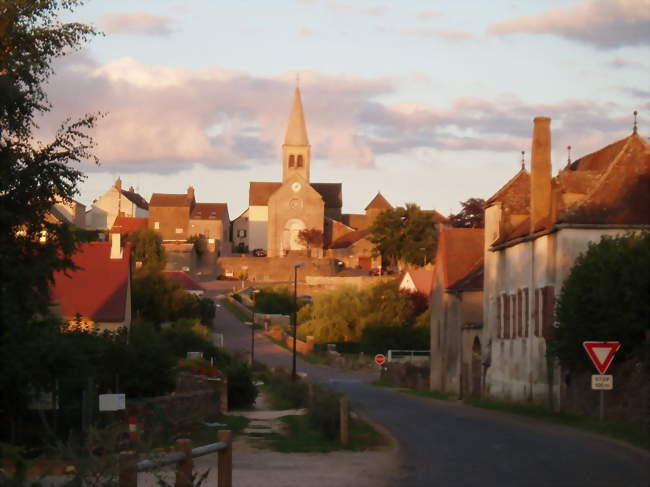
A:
[296,130]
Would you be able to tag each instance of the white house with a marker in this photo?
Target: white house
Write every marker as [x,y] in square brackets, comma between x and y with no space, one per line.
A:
[113,203]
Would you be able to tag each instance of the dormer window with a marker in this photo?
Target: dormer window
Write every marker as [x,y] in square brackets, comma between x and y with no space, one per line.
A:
[299,161]
[292,160]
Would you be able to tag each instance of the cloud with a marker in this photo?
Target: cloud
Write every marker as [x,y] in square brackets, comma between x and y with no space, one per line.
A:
[605,24]
[337,6]
[163,119]
[137,23]
[429,14]
[426,32]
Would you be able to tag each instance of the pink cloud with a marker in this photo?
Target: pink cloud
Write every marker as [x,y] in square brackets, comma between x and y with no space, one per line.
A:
[137,23]
[429,14]
[163,119]
[447,35]
[606,24]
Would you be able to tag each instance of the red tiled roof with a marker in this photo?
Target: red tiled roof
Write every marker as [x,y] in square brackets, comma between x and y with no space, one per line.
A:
[473,281]
[98,289]
[259,193]
[184,280]
[379,203]
[165,199]
[459,249]
[348,239]
[515,194]
[126,224]
[209,211]
[423,280]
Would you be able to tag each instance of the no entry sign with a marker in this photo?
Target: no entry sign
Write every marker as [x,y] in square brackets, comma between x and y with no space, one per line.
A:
[380,358]
[601,353]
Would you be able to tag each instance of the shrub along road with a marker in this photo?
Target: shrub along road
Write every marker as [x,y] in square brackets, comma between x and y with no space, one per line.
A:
[446,443]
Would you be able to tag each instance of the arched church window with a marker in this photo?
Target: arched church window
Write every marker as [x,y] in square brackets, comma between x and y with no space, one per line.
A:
[292,160]
[300,161]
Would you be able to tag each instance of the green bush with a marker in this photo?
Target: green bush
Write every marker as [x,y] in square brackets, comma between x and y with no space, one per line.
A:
[323,412]
[285,393]
[182,339]
[241,389]
[236,297]
[382,338]
[272,301]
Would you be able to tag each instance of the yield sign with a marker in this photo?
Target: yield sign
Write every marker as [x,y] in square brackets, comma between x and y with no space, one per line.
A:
[601,353]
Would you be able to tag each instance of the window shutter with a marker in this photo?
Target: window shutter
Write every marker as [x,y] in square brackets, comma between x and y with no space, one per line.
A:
[526,312]
[519,311]
[499,318]
[506,316]
[548,311]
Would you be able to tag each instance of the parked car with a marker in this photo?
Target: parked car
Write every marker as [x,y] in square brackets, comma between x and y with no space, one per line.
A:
[377,271]
[259,253]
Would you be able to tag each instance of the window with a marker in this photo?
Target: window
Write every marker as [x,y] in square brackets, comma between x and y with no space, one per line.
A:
[156,225]
[300,161]
[241,233]
[292,160]
[179,230]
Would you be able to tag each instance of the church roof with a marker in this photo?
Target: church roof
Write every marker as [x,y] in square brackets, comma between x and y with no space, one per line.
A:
[259,193]
[348,239]
[296,128]
[379,203]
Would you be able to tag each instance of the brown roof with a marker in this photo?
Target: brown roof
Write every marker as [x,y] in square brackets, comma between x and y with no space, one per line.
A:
[259,193]
[209,211]
[355,220]
[379,203]
[348,239]
[459,250]
[165,199]
[515,194]
[423,280]
[98,288]
[473,281]
[136,199]
[609,186]
[184,280]
[332,194]
[125,224]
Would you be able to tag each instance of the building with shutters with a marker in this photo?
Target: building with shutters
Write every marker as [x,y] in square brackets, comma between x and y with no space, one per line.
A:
[535,228]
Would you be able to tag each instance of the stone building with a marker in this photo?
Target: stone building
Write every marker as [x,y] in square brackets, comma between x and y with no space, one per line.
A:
[113,203]
[535,228]
[457,312]
[169,215]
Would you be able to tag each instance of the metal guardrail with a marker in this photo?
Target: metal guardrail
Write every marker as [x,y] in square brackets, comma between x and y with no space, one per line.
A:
[408,355]
[183,458]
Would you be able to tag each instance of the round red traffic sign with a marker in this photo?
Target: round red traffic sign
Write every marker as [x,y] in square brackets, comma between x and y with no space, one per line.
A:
[380,358]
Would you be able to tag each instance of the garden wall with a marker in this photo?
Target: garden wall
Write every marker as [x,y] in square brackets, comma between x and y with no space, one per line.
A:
[413,376]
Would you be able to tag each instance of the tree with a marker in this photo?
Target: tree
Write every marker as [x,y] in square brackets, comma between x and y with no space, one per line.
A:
[605,298]
[311,238]
[32,174]
[470,216]
[404,233]
[148,249]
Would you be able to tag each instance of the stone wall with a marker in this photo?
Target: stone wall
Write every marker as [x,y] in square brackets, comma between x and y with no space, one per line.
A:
[277,333]
[262,318]
[280,269]
[196,399]
[360,282]
[628,401]
[413,376]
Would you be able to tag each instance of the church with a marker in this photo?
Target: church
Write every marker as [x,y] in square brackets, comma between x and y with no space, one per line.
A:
[278,211]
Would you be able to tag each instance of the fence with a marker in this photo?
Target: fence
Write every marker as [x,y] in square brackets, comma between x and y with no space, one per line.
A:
[183,458]
[419,356]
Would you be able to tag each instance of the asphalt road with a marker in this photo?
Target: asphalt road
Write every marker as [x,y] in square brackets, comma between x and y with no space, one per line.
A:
[447,443]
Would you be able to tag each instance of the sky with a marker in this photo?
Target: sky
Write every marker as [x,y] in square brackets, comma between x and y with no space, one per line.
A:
[429,102]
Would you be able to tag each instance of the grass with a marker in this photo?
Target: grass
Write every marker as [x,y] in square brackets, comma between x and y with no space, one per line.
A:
[621,430]
[300,437]
[239,314]
[443,396]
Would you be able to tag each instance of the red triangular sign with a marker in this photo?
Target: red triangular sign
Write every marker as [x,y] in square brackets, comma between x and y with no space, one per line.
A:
[601,353]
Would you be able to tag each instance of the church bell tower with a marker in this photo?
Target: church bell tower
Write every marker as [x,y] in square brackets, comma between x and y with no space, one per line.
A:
[296,148]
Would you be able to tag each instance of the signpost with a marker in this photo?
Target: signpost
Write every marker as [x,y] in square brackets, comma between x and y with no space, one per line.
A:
[601,354]
[380,358]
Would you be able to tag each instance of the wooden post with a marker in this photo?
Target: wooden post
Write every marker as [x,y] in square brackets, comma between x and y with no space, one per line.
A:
[344,420]
[224,461]
[184,467]
[128,469]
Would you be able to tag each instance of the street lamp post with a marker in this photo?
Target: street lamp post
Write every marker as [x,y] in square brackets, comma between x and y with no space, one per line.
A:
[295,317]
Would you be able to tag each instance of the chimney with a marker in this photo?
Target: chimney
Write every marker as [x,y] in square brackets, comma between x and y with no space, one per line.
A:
[118,184]
[131,190]
[116,247]
[190,192]
[540,174]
